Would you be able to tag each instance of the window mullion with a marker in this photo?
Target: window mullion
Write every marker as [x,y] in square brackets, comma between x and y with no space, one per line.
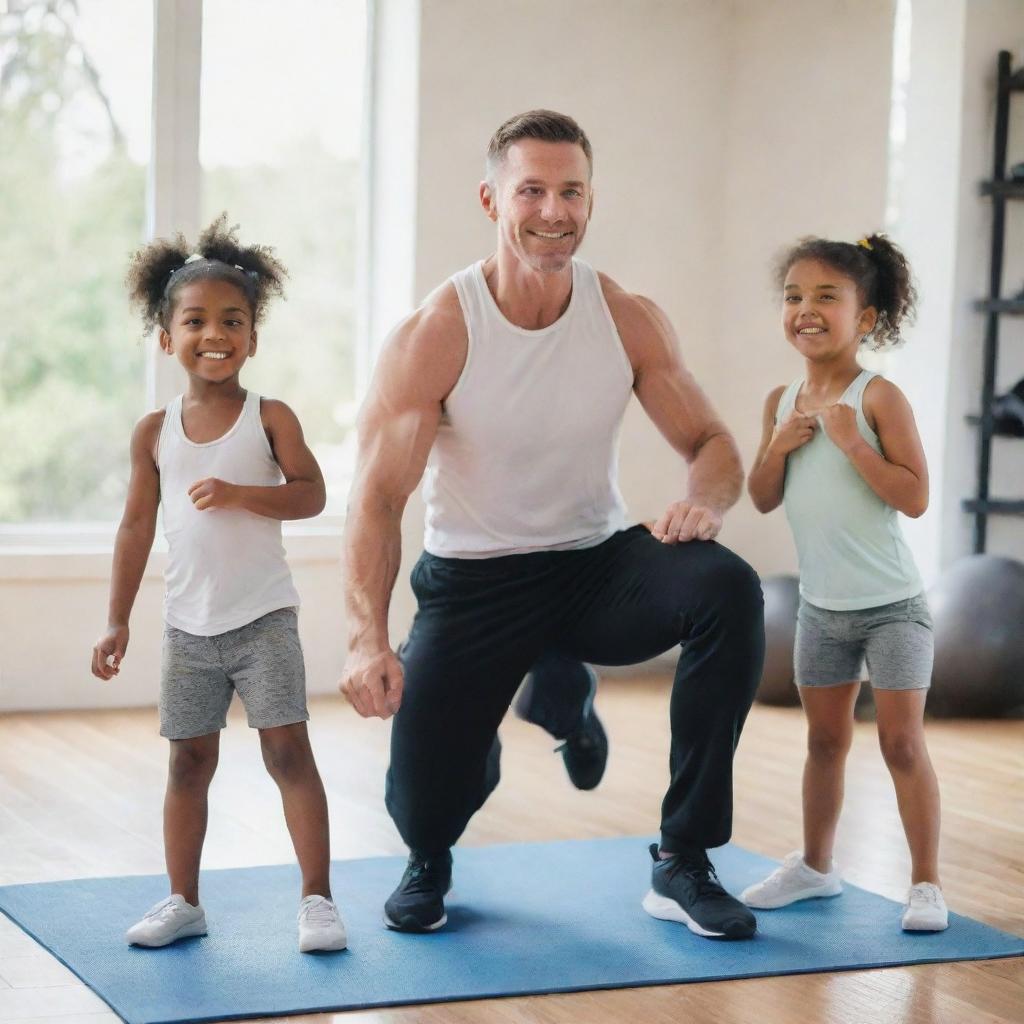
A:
[172,195]
[391,143]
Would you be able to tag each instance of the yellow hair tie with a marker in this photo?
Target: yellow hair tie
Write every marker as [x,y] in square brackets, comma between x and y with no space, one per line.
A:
[865,244]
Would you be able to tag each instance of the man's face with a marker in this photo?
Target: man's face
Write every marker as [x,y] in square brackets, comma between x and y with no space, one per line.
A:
[541,200]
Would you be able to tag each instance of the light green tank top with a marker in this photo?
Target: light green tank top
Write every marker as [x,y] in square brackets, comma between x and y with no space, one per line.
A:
[849,544]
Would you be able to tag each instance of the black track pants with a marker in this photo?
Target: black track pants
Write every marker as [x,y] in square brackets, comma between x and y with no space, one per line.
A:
[483,623]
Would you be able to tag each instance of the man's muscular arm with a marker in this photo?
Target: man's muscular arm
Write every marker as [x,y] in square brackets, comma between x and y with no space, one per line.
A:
[678,407]
[397,425]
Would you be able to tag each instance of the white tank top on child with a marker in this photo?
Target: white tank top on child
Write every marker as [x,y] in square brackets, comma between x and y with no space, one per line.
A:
[226,567]
[526,455]
[849,544]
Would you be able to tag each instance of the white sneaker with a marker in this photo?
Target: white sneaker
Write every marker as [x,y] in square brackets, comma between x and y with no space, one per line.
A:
[926,909]
[792,880]
[171,919]
[320,926]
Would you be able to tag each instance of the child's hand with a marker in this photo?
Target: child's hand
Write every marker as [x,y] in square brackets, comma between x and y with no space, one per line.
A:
[212,493]
[793,432]
[840,423]
[108,652]
[684,521]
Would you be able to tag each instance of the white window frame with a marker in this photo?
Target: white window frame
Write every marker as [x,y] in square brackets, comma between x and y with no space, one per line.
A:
[173,198]
[173,187]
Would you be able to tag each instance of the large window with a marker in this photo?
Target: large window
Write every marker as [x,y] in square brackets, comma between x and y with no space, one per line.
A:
[280,127]
[74,120]
[280,140]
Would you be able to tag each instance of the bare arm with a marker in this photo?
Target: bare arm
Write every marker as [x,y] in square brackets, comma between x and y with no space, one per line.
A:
[132,545]
[397,425]
[767,479]
[301,496]
[681,411]
[899,476]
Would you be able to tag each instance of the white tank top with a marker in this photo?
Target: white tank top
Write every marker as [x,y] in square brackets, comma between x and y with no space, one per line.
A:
[849,544]
[526,455]
[226,567]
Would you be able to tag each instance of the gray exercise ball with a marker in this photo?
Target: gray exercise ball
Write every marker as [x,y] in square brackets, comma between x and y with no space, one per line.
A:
[781,598]
[978,609]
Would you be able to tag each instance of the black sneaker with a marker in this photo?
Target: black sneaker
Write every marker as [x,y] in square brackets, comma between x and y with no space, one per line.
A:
[685,888]
[417,905]
[585,752]
[559,697]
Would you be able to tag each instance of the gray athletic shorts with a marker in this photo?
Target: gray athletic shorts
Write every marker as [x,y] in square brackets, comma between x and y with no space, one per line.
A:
[262,660]
[894,639]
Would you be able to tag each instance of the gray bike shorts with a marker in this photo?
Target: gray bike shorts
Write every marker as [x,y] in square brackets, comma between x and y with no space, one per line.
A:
[895,640]
[261,660]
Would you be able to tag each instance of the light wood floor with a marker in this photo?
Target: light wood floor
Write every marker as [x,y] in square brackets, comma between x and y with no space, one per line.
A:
[80,794]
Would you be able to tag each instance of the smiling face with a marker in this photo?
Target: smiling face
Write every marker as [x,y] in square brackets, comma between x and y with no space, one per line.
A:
[822,313]
[210,330]
[540,198]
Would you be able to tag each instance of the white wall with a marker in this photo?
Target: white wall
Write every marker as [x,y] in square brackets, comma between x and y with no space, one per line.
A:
[990,26]
[807,132]
[926,226]
[945,226]
[53,608]
[648,83]
[721,132]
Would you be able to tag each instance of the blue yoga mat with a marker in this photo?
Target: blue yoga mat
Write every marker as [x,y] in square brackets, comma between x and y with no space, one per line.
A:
[523,919]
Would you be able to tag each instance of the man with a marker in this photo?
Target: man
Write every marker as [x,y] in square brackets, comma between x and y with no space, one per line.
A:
[507,387]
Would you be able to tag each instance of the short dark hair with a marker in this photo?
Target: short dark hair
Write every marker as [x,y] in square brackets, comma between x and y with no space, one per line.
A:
[546,125]
[879,269]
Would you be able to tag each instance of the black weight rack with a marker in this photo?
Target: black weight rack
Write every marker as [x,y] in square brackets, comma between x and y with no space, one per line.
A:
[1000,190]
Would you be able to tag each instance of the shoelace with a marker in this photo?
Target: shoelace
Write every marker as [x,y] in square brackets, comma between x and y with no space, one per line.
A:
[421,877]
[164,909]
[580,739]
[778,877]
[320,912]
[701,872]
[926,895]
[583,742]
